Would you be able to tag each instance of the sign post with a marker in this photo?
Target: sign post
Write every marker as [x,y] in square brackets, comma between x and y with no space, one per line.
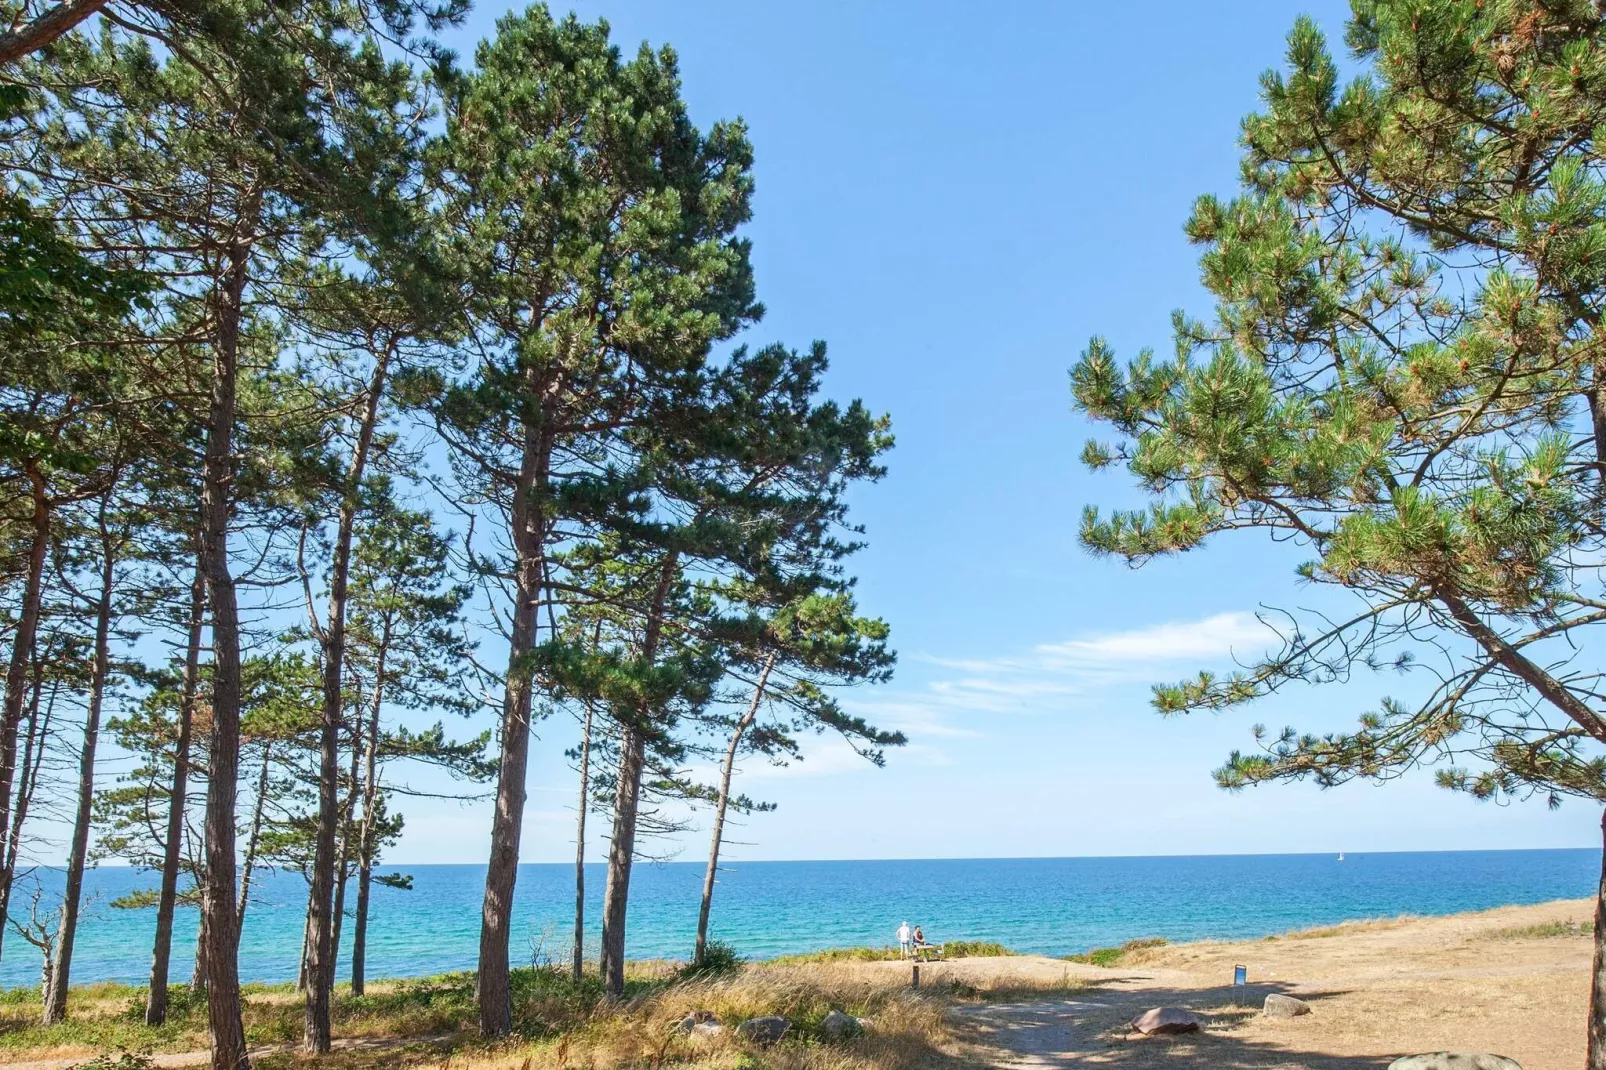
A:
[1240,985]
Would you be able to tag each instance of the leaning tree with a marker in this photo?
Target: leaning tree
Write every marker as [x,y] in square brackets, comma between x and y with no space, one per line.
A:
[1402,377]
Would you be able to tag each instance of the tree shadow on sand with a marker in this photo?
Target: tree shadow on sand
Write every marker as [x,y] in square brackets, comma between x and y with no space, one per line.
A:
[1090,1028]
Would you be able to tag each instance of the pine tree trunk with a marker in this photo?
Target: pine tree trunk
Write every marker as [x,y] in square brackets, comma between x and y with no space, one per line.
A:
[343,871]
[254,837]
[366,848]
[621,855]
[198,972]
[22,646]
[32,758]
[627,801]
[320,919]
[78,853]
[1597,987]
[580,853]
[718,835]
[223,749]
[359,924]
[172,849]
[494,993]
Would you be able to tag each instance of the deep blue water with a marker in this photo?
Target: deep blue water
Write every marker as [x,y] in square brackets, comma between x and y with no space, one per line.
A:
[1051,905]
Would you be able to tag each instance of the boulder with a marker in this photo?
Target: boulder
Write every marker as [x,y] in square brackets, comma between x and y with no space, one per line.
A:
[1454,1060]
[1280,1006]
[765,1030]
[1164,1021]
[688,1025]
[838,1025]
[707,1030]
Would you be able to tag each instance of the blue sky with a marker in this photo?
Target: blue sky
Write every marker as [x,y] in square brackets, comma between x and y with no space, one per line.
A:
[955,198]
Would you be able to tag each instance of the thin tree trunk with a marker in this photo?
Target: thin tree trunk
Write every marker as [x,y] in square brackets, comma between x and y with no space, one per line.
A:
[198,973]
[223,750]
[627,802]
[33,755]
[621,854]
[580,853]
[1597,987]
[718,835]
[501,874]
[77,856]
[255,836]
[172,850]
[365,840]
[343,873]
[22,646]
[321,923]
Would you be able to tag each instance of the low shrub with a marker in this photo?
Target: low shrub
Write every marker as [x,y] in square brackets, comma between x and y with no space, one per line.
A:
[1113,956]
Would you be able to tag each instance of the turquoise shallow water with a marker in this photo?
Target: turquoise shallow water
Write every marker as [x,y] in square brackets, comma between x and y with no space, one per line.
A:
[1051,905]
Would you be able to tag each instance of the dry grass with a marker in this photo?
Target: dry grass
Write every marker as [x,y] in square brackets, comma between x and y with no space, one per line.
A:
[1549,930]
[558,1025]
[907,1029]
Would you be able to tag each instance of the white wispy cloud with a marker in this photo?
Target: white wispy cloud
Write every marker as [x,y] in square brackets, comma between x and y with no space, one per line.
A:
[1057,675]
[1046,678]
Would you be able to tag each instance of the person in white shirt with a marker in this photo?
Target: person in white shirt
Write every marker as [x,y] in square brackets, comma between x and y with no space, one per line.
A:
[903,940]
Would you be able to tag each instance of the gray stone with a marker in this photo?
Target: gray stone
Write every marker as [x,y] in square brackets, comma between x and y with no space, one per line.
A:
[688,1025]
[1164,1021]
[1281,1006]
[1454,1060]
[765,1030]
[838,1025]
[707,1030]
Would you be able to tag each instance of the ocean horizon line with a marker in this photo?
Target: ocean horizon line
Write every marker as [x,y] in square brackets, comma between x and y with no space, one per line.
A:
[1348,852]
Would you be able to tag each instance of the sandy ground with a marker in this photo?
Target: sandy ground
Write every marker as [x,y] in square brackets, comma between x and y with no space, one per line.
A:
[1473,982]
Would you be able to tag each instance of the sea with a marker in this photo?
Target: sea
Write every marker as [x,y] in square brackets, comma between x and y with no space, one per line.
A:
[1054,906]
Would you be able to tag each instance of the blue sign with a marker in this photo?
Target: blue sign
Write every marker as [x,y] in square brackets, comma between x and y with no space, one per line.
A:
[1240,975]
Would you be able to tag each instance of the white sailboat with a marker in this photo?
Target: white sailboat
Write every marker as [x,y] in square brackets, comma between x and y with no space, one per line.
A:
[1341,856]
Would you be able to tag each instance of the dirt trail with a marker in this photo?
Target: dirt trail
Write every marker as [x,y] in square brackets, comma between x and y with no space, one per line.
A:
[1512,981]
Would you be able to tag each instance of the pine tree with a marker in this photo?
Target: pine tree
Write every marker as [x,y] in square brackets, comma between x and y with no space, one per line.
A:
[1402,376]
[596,229]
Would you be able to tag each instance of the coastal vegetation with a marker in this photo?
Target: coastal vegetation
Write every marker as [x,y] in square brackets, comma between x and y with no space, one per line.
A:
[363,409]
[1401,377]
[1119,955]
[371,416]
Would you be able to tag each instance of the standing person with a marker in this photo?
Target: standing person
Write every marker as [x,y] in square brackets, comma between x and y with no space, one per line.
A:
[903,940]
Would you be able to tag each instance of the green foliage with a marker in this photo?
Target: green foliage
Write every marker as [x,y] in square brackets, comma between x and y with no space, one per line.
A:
[952,949]
[718,957]
[1114,956]
[1402,377]
[1545,931]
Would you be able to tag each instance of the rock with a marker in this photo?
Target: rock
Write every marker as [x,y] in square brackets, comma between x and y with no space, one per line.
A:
[707,1030]
[688,1025]
[1454,1060]
[765,1030]
[1163,1021]
[1280,1006]
[838,1025]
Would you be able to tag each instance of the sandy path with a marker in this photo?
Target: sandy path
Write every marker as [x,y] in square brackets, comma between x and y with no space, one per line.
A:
[1498,981]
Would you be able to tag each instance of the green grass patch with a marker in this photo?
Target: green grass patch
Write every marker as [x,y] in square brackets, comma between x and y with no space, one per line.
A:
[953,949]
[1549,930]
[1114,956]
